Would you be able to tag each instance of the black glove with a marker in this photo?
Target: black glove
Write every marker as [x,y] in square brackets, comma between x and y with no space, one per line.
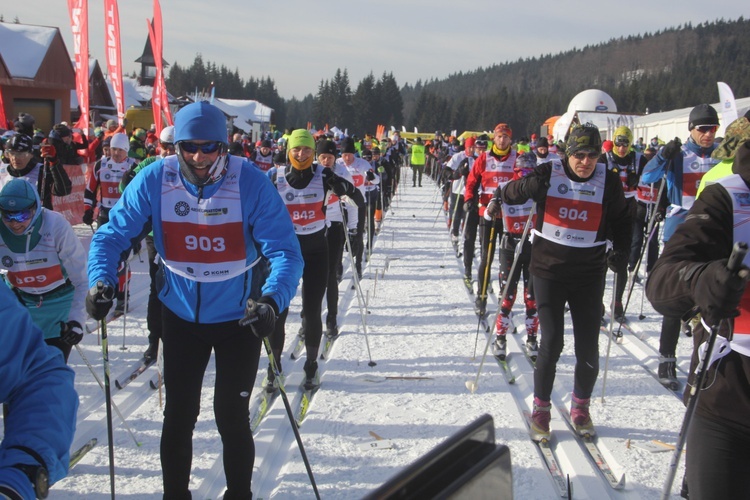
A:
[352,231]
[463,168]
[71,332]
[261,317]
[617,261]
[370,175]
[534,187]
[88,216]
[493,209]
[659,216]
[672,149]
[717,291]
[338,185]
[470,205]
[99,300]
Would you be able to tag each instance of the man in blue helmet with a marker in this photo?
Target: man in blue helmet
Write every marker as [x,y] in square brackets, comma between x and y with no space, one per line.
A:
[230,263]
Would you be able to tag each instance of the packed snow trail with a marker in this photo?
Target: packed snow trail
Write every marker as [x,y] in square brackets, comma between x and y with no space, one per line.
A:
[421,330]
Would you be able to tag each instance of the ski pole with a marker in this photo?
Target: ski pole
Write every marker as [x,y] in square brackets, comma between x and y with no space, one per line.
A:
[289,413]
[474,385]
[108,396]
[733,265]
[611,328]
[650,232]
[358,292]
[114,405]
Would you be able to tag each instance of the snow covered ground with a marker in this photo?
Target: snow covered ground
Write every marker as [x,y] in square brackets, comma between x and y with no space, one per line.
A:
[420,324]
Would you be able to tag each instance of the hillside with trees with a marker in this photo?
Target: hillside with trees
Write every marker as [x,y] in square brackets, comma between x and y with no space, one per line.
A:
[673,68]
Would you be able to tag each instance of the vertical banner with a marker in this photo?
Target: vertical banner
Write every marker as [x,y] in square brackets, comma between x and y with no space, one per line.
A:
[79,23]
[3,121]
[728,105]
[155,91]
[114,55]
[159,36]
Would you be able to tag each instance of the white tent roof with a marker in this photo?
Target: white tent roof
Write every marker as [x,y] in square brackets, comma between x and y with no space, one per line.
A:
[244,112]
[23,47]
[671,124]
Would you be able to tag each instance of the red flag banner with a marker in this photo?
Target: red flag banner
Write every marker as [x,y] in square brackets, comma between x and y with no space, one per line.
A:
[114,55]
[155,92]
[71,206]
[3,121]
[79,23]
[159,61]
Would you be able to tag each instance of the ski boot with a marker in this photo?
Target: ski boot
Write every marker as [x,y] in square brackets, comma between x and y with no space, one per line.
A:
[332,329]
[668,372]
[271,382]
[540,417]
[312,378]
[468,283]
[152,352]
[532,347]
[480,306]
[580,417]
[619,313]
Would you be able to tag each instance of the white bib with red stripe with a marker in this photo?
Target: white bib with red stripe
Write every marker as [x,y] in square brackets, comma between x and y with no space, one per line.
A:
[204,240]
[305,205]
[573,210]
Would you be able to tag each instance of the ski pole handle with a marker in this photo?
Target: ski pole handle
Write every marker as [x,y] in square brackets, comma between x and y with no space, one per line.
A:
[739,251]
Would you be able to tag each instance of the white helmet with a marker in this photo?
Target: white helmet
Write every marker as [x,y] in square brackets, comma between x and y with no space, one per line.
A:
[167,135]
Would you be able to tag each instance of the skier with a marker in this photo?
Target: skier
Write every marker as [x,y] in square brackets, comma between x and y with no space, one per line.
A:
[459,166]
[417,161]
[37,388]
[103,181]
[372,195]
[627,164]
[46,265]
[303,187]
[578,204]
[263,156]
[543,153]
[153,313]
[492,169]
[514,220]
[692,271]
[684,165]
[362,173]
[49,177]
[214,218]
[326,152]
[471,214]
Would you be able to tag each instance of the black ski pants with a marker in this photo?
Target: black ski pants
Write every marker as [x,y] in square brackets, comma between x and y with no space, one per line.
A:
[584,296]
[718,460]
[417,171]
[640,225]
[508,244]
[153,314]
[187,350]
[490,232]
[670,335]
[336,239]
[457,213]
[470,240]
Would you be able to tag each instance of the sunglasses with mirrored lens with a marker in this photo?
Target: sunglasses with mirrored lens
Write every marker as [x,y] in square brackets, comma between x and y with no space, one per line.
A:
[480,144]
[192,148]
[18,216]
[582,155]
[706,129]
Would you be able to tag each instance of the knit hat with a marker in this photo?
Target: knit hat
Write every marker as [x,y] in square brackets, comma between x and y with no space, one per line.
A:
[503,129]
[584,137]
[737,134]
[703,114]
[325,147]
[267,144]
[469,143]
[20,142]
[301,137]
[542,142]
[111,124]
[120,140]
[200,121]
[18,194]
[347,146]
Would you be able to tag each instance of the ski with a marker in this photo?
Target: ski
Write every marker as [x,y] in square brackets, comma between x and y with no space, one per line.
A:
[469,284]
[327,345]
[507,372]
[550,460]
[140,367]
[298,346]
[77,455]
[265,402]
[304,405]
[615,337]
[592,448]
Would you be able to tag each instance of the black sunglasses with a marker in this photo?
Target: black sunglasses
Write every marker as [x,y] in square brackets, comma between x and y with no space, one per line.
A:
[191,147]
[583,155]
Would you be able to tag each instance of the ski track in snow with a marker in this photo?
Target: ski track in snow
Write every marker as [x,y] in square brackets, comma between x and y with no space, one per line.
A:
[420,324]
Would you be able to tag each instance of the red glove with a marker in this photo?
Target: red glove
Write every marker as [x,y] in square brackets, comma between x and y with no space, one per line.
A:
[48,151]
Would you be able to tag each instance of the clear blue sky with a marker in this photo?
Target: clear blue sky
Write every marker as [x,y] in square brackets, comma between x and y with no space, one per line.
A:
[298,43]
